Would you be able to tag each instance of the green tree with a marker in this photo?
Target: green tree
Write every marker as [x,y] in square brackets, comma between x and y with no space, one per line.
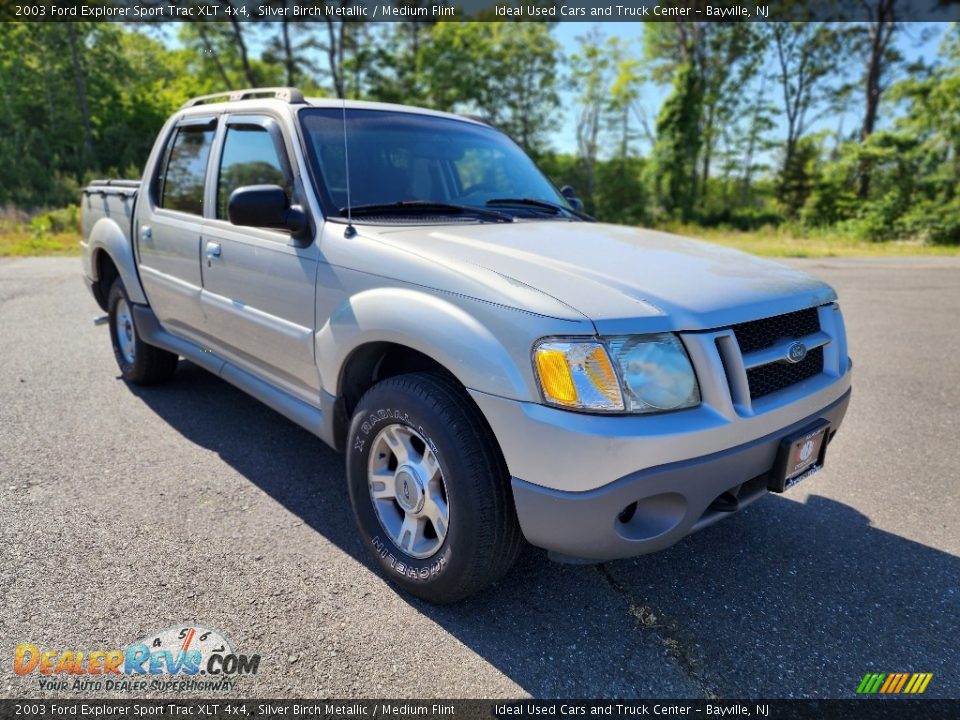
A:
[914,188]
[678,144]
[725,56]
[882,59]
[51,140]
[394,73]
[590,76]
[806,57]
[625,91]
[504,71]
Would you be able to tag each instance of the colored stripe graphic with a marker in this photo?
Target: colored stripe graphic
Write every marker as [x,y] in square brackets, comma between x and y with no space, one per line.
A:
[871,683]
[893,683]
[918,683]
[890,686]
[903,681]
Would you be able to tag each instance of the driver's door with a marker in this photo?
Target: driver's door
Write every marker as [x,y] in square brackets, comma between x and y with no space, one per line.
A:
[258,283]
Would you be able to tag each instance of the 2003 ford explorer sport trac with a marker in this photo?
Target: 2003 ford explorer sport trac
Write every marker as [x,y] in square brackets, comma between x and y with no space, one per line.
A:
[408,286]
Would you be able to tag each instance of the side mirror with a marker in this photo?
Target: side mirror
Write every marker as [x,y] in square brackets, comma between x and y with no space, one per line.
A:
[265,206]
[571,195]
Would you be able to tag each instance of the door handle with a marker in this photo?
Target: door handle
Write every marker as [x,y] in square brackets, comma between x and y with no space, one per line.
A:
[213,250]
[146,233]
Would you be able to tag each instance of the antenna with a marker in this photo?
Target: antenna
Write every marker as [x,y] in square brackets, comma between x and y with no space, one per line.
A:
[350,230]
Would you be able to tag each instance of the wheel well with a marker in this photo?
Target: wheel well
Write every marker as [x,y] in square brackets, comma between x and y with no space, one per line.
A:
[368,365]
[106,273]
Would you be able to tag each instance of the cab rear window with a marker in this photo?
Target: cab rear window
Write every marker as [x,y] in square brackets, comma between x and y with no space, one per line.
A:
[183,177]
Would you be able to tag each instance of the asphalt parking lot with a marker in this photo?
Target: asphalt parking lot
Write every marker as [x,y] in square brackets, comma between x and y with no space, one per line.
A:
[123,511]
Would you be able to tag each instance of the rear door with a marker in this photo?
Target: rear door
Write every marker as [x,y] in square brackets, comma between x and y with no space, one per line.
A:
[169,224]
[258,283]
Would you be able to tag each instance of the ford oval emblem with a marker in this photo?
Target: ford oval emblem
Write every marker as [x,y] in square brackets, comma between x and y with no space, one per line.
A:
[796,352]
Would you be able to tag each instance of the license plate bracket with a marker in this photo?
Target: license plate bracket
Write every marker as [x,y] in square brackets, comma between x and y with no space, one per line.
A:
[800,455]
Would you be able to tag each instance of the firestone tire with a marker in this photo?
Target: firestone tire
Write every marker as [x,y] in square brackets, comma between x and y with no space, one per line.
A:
[430,490]
[140,363]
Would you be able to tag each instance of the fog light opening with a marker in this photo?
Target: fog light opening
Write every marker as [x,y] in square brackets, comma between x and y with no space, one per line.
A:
[651,517]
[626,515]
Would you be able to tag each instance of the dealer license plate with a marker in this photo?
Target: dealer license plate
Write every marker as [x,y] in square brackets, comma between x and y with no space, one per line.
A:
[800,455]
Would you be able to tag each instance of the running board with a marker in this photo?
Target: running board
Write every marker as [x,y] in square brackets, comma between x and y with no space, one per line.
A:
[310,418]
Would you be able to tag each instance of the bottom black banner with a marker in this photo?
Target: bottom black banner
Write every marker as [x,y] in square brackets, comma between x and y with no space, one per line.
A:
[486,709]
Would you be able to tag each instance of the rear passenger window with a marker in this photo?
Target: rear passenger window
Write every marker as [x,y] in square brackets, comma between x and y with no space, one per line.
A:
[183,178]
[250,157]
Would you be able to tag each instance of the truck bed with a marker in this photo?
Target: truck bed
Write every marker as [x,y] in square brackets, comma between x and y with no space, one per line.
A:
[107,209]
[113,199]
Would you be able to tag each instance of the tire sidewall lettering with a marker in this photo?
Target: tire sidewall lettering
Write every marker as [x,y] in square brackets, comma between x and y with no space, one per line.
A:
[406,567]
[390,557]
[376,417]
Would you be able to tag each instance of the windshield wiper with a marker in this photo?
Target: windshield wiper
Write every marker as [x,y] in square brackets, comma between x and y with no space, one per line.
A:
[422,207]
[552,208]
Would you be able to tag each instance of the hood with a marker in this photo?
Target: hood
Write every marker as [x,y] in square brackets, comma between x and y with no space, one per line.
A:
[623,279]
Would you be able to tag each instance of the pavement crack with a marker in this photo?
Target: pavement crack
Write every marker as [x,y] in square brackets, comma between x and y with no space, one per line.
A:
[650,618]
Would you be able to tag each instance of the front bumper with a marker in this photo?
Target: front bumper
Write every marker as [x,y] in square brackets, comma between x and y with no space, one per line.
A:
[672,500]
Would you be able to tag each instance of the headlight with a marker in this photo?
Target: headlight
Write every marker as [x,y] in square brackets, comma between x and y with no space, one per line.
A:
[656,372]
[632,373]
[577,374]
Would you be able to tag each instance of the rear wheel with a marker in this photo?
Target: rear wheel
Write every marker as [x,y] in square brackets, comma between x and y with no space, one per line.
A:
[140,363]
[429,488]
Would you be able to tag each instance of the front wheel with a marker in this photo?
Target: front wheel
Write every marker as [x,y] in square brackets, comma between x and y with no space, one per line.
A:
[429,488]
[140,364]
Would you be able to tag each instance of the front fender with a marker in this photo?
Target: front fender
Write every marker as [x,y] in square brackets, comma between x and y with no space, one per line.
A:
[433,325]
[107,236]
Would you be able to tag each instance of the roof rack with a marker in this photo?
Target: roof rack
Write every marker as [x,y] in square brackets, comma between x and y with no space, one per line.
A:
[288,94]
[114,183]
[482,119]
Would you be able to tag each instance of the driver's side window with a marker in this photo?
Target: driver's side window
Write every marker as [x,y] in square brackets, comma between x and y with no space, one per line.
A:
[249,158]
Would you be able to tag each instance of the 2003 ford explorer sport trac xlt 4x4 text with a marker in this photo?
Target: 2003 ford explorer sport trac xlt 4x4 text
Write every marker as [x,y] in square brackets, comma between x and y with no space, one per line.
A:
[408,286]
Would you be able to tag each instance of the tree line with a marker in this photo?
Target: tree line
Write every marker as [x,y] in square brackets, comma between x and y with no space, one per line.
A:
[750,131]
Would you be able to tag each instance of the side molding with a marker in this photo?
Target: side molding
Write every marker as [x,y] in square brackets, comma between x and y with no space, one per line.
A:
[318,421]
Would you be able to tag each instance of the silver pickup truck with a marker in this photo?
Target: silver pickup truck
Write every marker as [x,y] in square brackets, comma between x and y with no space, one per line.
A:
[408,286]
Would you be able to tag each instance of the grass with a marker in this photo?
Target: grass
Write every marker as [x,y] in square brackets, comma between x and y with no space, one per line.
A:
[51,232]
[18,241]
[779,243]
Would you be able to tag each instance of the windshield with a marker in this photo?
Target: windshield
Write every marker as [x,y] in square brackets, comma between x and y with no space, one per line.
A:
[400,157]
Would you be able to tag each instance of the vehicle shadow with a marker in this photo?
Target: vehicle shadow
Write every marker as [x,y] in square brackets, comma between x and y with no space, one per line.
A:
[786,599]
